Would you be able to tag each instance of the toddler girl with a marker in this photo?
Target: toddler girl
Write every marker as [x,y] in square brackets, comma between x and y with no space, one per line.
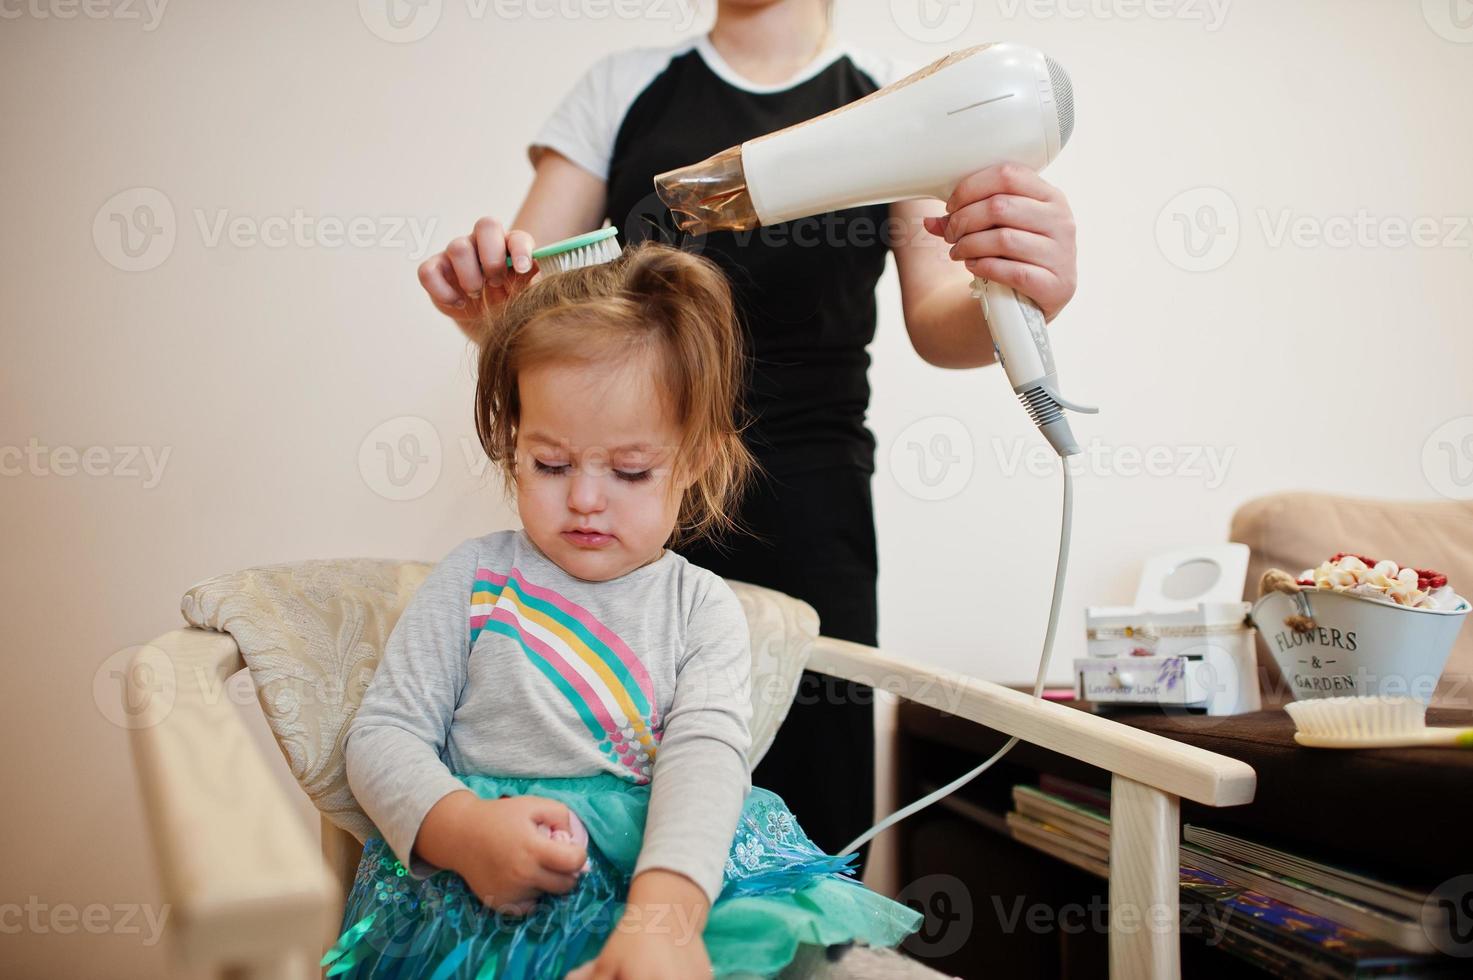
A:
[554,745]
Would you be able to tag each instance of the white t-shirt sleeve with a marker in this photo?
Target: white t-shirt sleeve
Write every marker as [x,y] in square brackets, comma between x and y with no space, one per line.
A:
[583,126]
[586,122]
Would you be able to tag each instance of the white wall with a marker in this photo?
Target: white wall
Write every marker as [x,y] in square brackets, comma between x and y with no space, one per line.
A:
[261,370]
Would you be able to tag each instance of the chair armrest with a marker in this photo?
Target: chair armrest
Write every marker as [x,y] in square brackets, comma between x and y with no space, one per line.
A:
[1182,770]
[245,883]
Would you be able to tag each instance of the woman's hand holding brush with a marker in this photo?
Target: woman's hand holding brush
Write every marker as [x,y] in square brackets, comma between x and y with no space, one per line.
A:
[470,276]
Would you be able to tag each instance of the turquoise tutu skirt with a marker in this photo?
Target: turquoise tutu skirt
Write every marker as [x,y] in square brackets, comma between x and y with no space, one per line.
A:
[779,892]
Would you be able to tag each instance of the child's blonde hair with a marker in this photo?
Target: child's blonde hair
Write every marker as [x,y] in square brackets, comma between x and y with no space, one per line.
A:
[652,300]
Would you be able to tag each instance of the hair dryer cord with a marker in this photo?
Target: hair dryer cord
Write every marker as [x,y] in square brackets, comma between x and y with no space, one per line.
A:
[1048,649]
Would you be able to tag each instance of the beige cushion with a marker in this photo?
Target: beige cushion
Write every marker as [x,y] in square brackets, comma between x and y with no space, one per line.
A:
[1295,531]
[311,633]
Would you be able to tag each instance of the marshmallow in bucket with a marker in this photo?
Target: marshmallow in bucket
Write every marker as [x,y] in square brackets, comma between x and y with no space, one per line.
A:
[1355,626]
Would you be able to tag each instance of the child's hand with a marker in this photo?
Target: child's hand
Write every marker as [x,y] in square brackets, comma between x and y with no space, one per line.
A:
[659,935]
[508,850]
[1009,225]
[471,276]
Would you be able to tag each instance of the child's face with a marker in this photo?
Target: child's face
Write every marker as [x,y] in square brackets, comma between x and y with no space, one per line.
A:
[595,448]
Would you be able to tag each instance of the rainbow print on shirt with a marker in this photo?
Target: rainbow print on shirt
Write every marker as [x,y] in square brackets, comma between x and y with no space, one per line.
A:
[607,685]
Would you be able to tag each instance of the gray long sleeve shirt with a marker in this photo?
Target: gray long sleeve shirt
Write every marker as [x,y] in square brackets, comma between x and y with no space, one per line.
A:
[504,664]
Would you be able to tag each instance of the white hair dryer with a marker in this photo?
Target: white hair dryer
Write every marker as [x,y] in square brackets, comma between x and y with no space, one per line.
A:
[917,137]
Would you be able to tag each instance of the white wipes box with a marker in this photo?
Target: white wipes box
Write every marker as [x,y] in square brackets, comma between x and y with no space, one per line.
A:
[1186,642]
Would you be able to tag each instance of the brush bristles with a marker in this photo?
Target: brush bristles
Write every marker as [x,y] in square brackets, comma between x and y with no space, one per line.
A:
[1354,718]
[596,254]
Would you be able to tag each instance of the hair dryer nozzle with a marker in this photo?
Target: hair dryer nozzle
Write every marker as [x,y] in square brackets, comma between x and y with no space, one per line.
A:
[1063,99]
[709,196]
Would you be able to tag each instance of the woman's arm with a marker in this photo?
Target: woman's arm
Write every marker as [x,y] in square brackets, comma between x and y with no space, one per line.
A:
[1005,224]
[564,200]
[471,274]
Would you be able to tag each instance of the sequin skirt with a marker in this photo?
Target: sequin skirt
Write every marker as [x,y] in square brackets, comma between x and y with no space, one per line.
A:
[779,891]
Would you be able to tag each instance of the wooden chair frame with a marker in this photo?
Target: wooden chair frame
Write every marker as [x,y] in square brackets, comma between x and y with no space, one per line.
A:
[254,896]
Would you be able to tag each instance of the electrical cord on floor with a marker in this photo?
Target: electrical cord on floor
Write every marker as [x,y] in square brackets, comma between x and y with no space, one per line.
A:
[1048,649]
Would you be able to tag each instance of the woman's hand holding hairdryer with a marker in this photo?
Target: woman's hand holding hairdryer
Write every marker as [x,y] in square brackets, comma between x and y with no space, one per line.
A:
[471,276]
[1008,225]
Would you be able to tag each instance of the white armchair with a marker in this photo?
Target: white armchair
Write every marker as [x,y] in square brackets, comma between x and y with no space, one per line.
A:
[254,895]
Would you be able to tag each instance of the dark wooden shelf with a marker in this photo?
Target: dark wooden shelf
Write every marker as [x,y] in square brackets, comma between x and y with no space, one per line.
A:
[1396,813]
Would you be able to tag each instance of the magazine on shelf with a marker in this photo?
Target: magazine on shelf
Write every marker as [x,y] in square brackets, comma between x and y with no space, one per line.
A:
[1279,921]
[1088,821]
[1059,844]
[1343,881]
[1404,932]
[1289,940]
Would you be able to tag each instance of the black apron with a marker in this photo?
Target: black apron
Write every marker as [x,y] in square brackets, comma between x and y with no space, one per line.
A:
[805,296]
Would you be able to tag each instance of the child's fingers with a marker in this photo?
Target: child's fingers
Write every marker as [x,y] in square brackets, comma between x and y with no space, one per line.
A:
[559,856]
[520,245]
[550,812]
[553,882]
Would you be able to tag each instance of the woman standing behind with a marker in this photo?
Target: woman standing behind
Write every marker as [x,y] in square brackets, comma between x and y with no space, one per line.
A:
[805,295]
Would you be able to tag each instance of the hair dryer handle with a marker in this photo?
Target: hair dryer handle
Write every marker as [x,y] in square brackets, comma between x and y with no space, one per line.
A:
[1020,338]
